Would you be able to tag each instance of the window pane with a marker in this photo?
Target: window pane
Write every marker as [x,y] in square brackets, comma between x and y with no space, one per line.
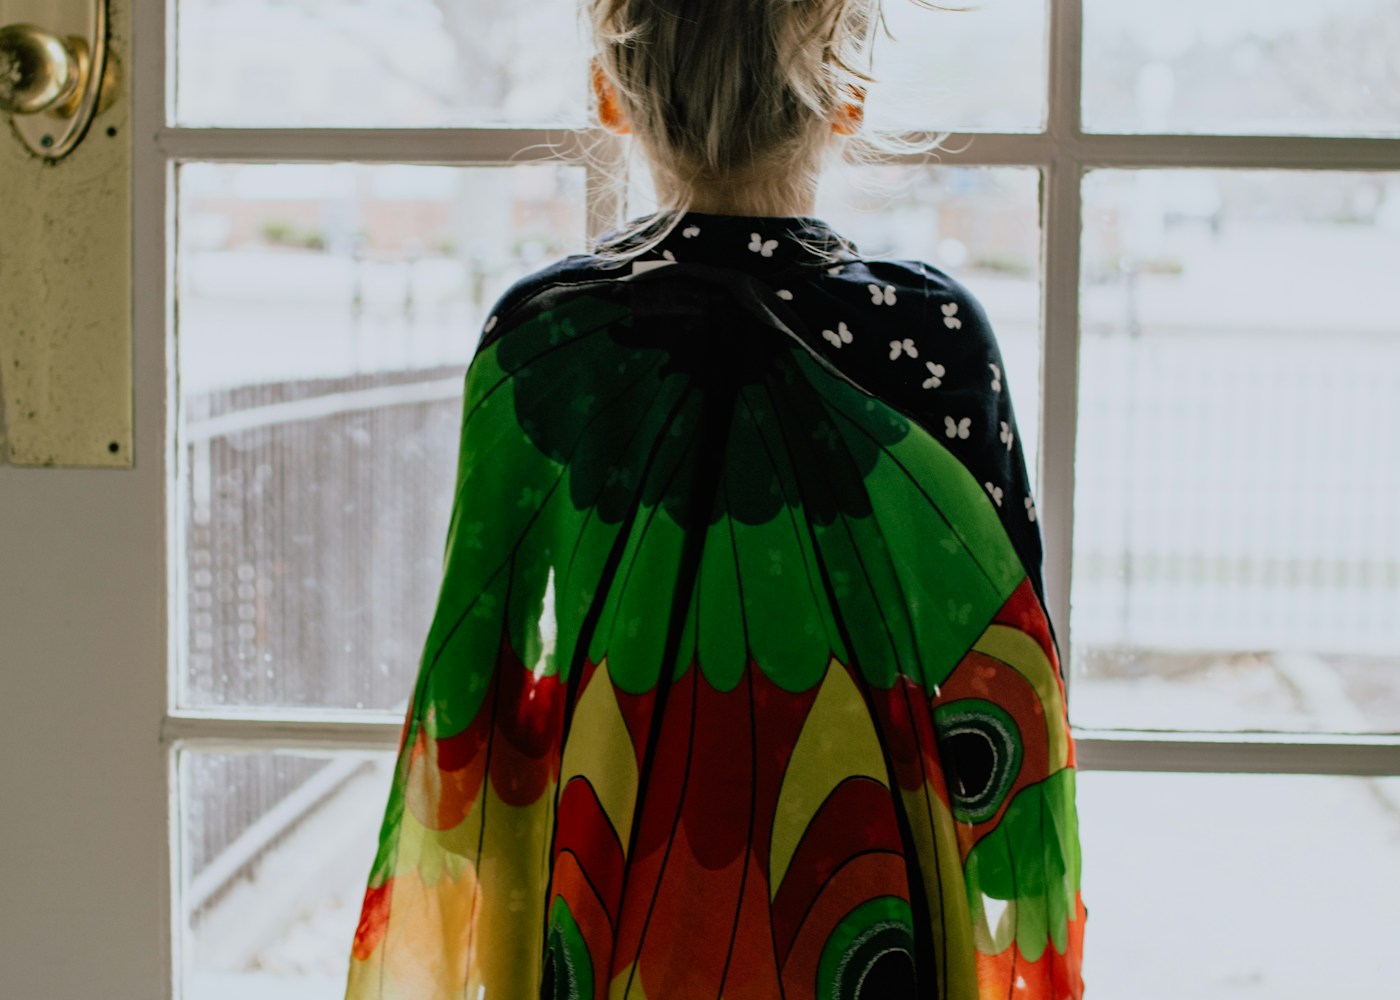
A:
[368,63]
[982,226]
[275,850]
[1226,887]
[977,67]
[1324,67]
[1237,553]
[326,315]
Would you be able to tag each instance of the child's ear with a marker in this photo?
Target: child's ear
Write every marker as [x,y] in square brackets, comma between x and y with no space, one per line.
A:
[610,114]
[850,116]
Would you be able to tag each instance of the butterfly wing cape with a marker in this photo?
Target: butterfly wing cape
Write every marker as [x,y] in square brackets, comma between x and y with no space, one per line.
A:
[736,686]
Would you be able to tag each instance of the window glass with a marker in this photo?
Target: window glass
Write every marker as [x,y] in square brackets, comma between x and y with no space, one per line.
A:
[379,63]
[1223,886]
[1322,67]
[965,67]
[326,315]
[1237,553]
[275,851]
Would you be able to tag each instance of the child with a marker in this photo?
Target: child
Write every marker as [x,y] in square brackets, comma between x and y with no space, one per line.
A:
[740,683]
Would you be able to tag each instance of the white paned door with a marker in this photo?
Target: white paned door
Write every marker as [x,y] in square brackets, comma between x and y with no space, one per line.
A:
[206,659]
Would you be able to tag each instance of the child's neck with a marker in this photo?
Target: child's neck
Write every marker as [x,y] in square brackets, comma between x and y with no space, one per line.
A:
[758,194]
[740,201]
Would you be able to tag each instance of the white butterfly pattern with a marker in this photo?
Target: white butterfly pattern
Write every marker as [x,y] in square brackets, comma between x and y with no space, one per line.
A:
[935,375]
[958,428]
[690,232]
[1030,508]
[669,256]
[996,377]
[784,294]
[950,316]
[841,335]
[1007,435]
[995,491]
[905,346]
[761,246]
[882,296]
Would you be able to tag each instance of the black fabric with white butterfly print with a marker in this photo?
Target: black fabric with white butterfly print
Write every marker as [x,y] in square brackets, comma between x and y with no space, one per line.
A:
[904,330]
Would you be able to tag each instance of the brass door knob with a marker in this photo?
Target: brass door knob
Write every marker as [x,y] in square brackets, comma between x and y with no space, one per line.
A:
[40,71]
[54,82]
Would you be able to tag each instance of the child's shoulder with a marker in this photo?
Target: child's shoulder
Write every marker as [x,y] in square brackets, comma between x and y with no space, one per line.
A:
[914,295]
[572,270]
[917,279]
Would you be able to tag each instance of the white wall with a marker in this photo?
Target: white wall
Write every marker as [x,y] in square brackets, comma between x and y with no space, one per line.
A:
[82,786]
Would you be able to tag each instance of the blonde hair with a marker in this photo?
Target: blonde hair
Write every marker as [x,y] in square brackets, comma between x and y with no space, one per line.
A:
[733,94]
